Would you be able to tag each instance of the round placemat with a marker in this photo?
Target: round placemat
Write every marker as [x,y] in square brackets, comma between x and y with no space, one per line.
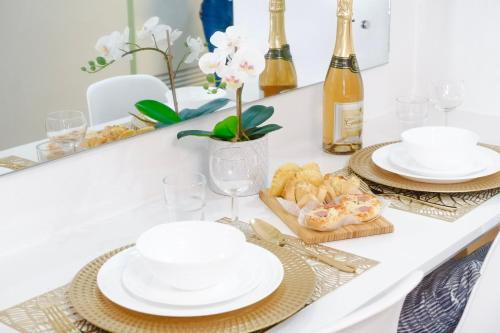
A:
[295,290]
[361,163]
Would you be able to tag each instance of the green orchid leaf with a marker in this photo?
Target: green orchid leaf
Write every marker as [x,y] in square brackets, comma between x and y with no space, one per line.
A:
[211,78]
[256,115]
[227,128]
[101,61]
[206,108]
[258,132]
[158,111]
[194,133]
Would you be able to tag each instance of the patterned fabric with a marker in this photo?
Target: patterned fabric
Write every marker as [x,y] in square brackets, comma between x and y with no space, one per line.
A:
[437,303]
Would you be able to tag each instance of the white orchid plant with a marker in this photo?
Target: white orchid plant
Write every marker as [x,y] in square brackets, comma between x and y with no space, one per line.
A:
[160,38]
[229,66]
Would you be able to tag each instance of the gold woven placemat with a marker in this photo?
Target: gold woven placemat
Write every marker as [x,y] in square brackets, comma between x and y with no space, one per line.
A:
[361,163]
[15,163]
[28,317]
[464,202]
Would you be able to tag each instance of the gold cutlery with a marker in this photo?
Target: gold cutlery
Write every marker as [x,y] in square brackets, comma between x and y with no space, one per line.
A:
[270,234]
[59,321]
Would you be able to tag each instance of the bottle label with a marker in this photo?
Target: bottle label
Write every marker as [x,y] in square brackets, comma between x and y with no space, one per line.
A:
[347,122]
[282,53]
[350,63]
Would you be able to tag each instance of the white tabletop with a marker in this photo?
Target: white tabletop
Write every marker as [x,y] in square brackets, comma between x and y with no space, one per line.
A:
[418,243]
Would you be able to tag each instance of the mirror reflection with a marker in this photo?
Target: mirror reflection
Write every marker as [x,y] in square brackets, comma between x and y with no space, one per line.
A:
[81,74]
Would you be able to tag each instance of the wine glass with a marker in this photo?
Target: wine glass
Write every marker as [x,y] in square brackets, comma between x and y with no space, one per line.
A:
[66,126]
[448,95]
[233,170]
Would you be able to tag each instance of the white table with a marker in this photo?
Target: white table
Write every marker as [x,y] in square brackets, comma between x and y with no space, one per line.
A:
[418,243]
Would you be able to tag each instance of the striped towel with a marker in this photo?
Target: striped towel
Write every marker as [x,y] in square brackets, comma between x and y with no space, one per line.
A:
[437,303]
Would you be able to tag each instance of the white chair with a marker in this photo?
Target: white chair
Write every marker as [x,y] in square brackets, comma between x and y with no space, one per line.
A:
[115,97]
[381,315]
[481,311]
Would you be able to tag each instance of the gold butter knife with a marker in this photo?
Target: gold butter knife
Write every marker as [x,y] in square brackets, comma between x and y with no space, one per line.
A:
[270,234]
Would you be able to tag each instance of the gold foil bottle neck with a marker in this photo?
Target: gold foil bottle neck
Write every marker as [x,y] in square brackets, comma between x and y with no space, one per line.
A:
[344,8]
[277,5]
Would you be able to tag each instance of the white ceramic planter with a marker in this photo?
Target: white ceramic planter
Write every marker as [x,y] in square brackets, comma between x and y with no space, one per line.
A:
[260,147]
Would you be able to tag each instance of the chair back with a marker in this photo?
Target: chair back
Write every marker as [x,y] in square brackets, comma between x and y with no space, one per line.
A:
[481,311]
[114,98]
[381,315]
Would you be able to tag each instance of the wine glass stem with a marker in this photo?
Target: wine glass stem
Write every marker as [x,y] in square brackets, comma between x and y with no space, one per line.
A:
[446,118]
[234,207]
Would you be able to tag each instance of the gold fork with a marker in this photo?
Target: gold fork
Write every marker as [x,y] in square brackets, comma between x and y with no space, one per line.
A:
[59,321]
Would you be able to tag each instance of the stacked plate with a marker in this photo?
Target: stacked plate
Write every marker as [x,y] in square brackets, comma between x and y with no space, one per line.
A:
[439,155]
[189,269]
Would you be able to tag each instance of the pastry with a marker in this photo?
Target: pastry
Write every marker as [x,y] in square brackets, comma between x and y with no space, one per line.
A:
[364,207]
[311,176]
[342,185]
[281,177]
[324,219]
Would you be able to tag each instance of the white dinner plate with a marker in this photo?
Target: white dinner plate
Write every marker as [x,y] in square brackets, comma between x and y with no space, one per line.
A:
[110,276]
[245,276]
[381,158]
[401,159]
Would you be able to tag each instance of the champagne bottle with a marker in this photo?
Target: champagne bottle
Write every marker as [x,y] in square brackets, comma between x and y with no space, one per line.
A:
[279,74]
[343,91]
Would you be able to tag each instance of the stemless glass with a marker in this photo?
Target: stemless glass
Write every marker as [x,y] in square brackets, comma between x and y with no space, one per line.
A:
[412,111]
[66,126]
[185,195]
[447,96]
[48,151]
[233,170]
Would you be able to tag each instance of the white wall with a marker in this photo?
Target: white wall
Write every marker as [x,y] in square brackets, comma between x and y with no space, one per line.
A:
[460,39]
[44,44]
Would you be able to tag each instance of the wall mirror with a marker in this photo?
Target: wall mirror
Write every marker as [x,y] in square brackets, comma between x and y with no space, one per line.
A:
[52,108]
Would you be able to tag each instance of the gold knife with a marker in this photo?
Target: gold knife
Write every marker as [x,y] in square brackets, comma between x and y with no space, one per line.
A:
[269,233]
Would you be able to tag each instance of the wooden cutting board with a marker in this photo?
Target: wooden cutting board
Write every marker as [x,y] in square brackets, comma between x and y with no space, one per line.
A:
[376,227]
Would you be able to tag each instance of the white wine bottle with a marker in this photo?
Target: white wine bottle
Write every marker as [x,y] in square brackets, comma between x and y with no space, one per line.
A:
[279,74]
[343,91]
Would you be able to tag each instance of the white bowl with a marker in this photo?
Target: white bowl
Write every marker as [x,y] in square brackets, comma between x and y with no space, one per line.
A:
[191,255]
[440,148]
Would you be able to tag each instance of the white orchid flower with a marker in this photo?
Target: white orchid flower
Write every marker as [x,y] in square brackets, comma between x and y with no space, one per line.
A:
[228,42]
[160,34]
[196,47]
[211,63]
[249,60]
[114,45]
[233,77]
[148,28]
[152,27]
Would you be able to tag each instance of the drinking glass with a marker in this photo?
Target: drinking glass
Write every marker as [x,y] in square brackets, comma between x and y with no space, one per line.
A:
[185,195]
[66,126]
[234,171]
[412,111]
[48,151]
[447,96]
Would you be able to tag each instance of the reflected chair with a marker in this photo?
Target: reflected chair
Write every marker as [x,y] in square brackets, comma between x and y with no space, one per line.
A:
[381,315]
[114,98]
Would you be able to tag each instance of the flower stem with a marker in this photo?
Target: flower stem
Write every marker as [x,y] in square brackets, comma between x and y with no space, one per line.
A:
[171,75]
[239,106]
[168,58]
